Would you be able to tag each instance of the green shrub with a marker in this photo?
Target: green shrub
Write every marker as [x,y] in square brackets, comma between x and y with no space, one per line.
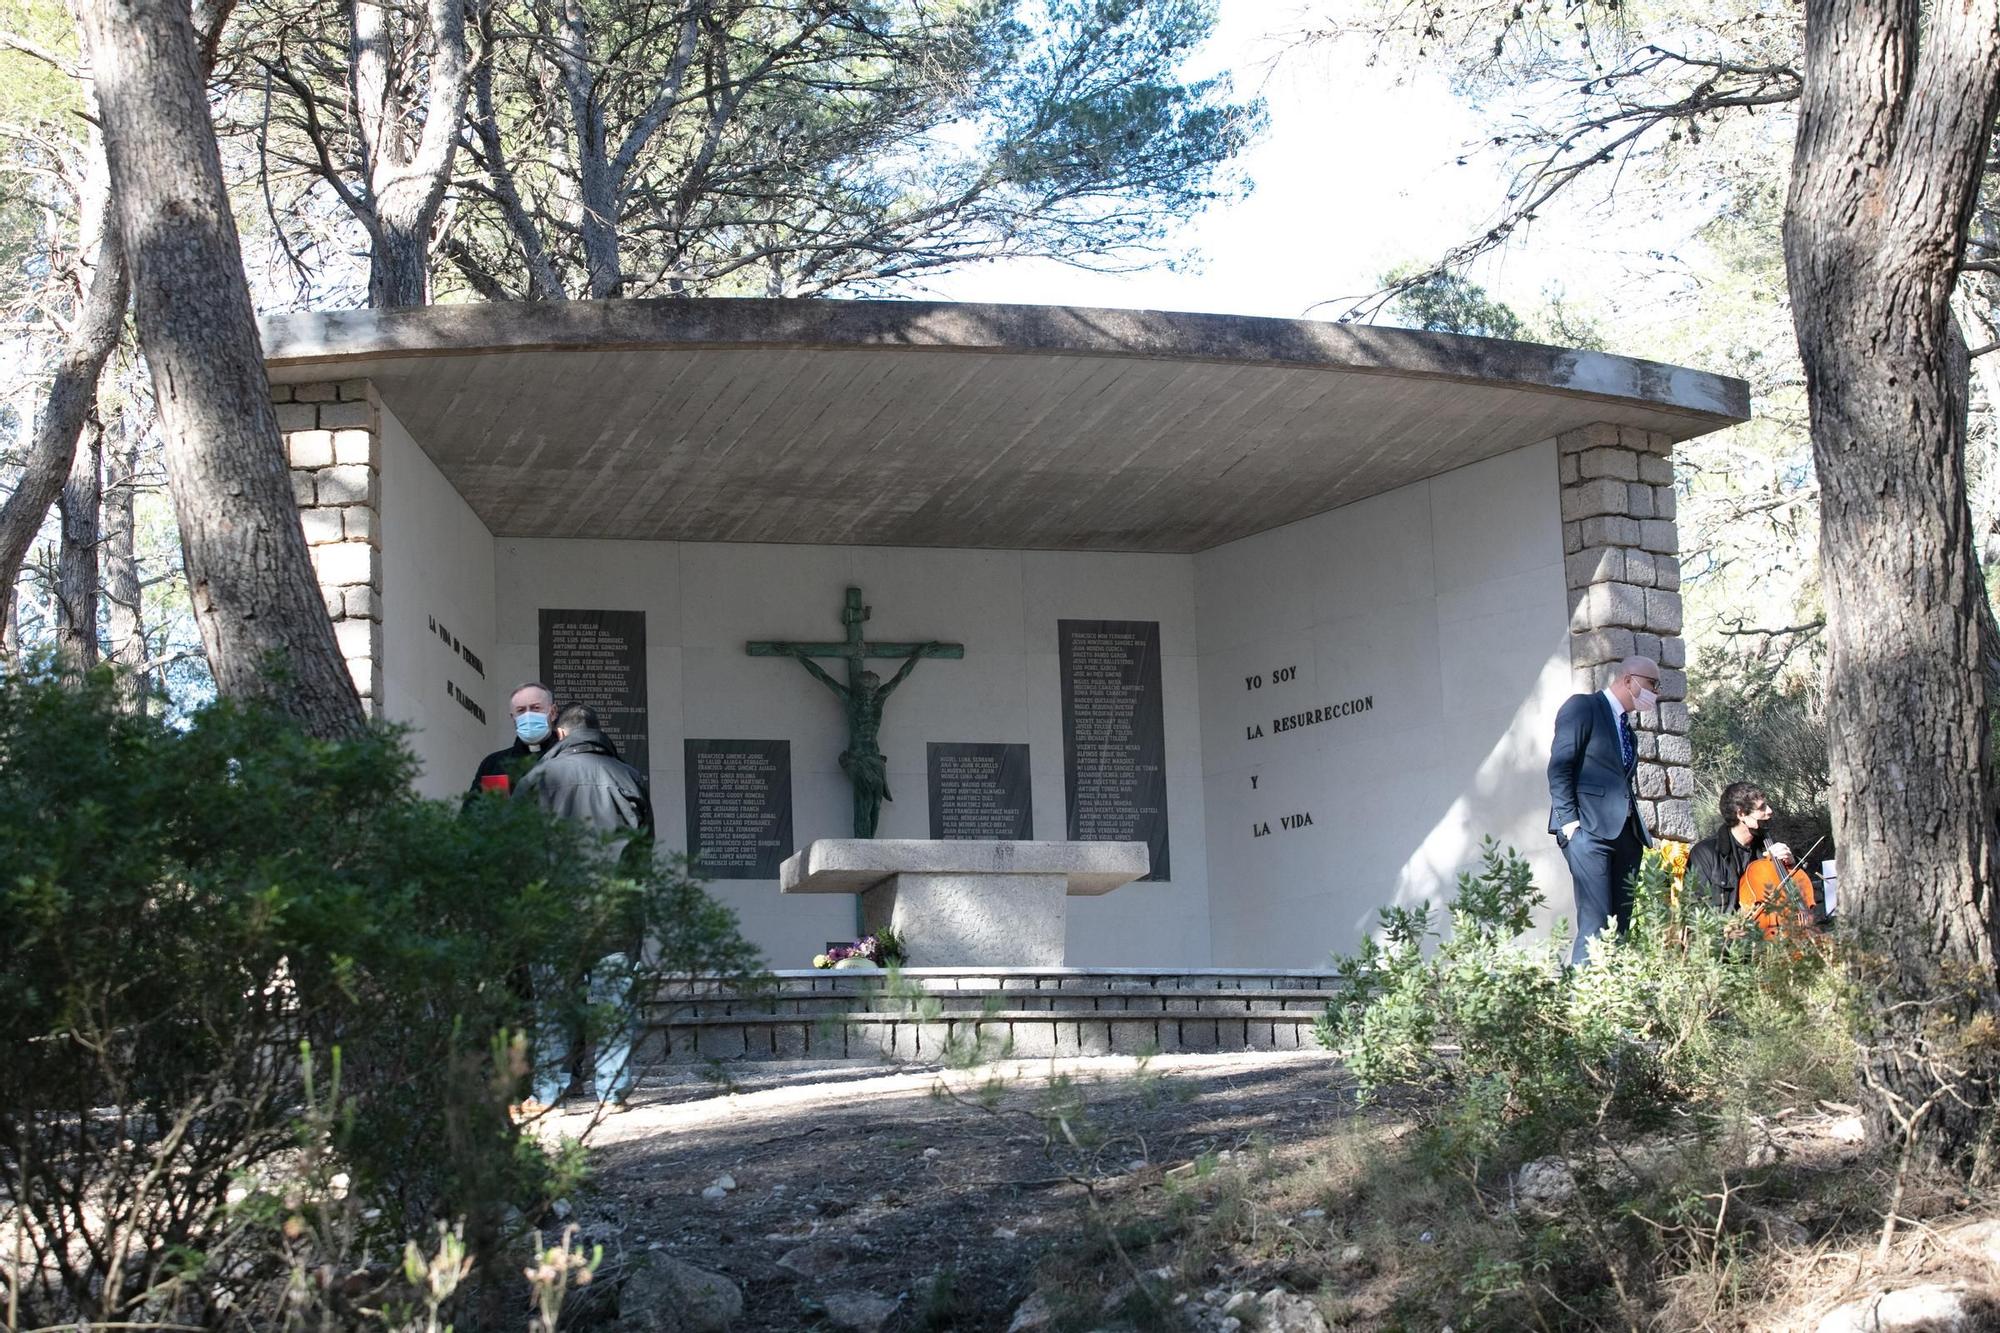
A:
[198,920]
[1760,721]
[1517,1050]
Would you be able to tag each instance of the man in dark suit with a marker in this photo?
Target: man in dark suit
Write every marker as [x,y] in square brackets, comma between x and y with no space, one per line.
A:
[1593,805]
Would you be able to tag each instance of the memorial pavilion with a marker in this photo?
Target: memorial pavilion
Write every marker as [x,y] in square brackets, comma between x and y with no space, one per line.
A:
[1292,603]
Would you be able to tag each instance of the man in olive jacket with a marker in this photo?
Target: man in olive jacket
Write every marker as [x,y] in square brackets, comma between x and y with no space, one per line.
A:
[582,778]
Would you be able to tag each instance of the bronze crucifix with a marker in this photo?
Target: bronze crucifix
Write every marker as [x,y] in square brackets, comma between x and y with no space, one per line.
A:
[862,696]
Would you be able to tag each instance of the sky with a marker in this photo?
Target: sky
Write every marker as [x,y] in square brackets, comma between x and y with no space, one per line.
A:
[1359,171]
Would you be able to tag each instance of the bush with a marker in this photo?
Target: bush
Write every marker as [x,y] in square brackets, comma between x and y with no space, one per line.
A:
[257,999]
[1518,1051]
[1754,721]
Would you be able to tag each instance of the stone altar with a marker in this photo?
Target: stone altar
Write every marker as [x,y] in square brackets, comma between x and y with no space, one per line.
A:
[966,903]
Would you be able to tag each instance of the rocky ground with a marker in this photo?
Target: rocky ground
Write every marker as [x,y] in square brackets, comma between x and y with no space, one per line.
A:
[1037,1196]
[863,1198]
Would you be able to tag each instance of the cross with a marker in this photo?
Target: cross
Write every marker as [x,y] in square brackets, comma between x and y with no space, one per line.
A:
[862,698]
[854,648]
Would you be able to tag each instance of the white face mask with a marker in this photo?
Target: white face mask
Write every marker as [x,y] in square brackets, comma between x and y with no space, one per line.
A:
[1647,699]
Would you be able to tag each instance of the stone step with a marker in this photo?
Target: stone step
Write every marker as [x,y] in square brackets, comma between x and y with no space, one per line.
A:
[954,985]
[1073,981]
[977,1002]
[1016,1033]
[1056,977]
[879,1016]
[1028,1011]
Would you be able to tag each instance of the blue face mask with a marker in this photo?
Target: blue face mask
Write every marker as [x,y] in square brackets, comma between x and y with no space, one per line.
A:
[532,728]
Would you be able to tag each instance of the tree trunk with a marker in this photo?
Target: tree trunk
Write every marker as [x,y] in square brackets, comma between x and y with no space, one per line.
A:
[543,282]
[602,267]
[406,174]
[125,634]
[596,184]
[260,613]
[10,633]
[1891,141]
[76,560]
[399,264]
[100,318]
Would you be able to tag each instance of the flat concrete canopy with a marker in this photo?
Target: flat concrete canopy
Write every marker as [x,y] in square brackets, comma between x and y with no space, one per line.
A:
[921,424]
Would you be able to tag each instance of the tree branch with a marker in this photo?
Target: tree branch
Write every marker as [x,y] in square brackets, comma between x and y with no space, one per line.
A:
[14,41]
[655,116]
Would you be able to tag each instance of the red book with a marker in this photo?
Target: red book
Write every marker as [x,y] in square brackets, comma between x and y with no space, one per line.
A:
[494,782]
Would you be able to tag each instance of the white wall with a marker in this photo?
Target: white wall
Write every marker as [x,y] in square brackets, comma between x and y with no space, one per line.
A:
[1444,603]
[437,568]
[703,602]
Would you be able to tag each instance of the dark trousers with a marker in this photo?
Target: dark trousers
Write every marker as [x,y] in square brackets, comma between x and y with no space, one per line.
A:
[1602,873]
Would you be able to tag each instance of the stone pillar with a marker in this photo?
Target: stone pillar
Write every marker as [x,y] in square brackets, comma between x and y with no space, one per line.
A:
[332,438]
[1622,564]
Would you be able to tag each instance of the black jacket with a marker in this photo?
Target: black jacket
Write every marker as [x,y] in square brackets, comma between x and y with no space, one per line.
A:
[1716,863]
[582,778]
[511,763]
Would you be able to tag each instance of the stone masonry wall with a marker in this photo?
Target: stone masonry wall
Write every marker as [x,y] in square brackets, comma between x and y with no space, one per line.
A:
[1622,565]
[332,437]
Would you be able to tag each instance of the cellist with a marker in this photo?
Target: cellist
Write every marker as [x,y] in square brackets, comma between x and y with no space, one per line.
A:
[1777,892]
[1716,863]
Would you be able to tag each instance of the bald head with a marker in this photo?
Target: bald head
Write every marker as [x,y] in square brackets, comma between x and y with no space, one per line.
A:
[1633,676]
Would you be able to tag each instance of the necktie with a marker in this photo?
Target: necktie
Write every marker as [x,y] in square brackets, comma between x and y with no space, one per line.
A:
[1626,748]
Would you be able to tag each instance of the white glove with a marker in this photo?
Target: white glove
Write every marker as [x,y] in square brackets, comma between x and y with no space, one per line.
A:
[1569,829]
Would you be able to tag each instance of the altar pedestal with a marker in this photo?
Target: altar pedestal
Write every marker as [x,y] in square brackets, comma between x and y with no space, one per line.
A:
[966,903]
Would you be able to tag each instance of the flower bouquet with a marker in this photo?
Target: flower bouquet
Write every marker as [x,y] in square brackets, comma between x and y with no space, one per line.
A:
[881,949]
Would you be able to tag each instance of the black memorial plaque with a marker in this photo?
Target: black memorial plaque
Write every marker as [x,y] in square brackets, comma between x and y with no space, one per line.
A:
[981,790]
[739,807]
[599,658]
[1114,735]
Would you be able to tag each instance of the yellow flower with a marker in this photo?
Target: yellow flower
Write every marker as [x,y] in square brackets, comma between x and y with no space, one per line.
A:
[1673,857]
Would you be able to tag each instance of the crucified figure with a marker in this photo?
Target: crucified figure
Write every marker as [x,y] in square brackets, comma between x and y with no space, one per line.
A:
[861,697]
[862,760]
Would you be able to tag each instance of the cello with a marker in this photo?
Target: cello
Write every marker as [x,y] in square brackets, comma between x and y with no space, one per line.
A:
[1777,893]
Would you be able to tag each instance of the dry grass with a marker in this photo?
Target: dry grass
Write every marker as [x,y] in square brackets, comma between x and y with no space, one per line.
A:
[1760,1223]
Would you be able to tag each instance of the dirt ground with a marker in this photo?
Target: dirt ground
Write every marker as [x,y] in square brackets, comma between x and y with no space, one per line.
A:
[808,1180]
[895,1198]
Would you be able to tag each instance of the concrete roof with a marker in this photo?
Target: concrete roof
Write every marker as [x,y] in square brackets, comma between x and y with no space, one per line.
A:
[923,424]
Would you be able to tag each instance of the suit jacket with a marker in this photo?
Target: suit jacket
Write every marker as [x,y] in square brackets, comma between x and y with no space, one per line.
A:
[1588,780]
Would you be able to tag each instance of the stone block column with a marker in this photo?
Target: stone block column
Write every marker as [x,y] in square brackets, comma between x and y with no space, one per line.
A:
[1621,555]
[333,440]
